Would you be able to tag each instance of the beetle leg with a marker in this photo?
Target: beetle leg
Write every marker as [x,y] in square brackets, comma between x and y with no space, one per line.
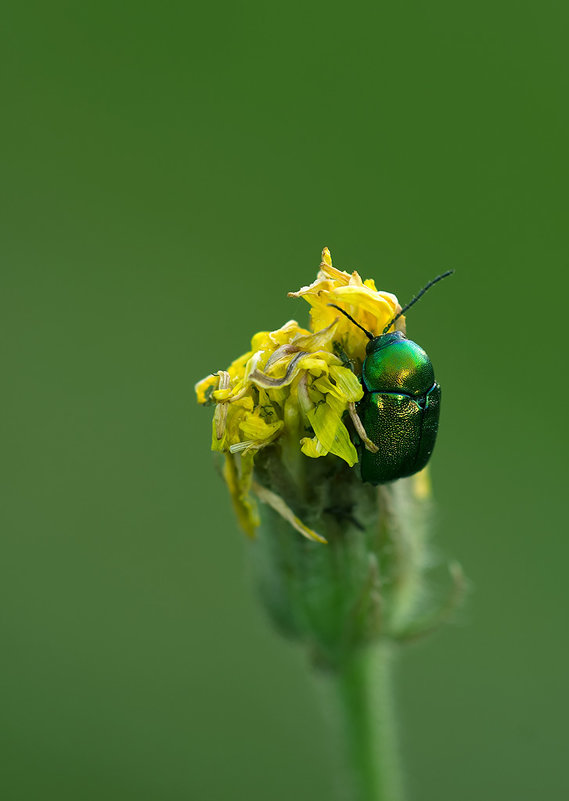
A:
[370,446]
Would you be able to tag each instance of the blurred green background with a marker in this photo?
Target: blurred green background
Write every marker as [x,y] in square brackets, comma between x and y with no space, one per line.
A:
[169,172]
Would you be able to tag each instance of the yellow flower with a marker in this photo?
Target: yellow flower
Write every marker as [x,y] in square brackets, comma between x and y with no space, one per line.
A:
[293,387]
[372,309]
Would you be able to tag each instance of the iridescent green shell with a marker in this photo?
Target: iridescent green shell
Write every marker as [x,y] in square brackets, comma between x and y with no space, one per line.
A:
[396,364]
[400,408]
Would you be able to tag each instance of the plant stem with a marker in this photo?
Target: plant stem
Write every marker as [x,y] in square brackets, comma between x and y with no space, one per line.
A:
[364,695]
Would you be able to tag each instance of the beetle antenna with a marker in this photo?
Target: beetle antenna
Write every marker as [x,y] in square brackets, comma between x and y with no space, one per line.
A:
[416,298]
[349,316]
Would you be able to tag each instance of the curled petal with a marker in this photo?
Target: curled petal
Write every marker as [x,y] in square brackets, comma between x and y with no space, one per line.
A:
[239,481]
[283,352]
[326,421]
[309,343]
[314,363]
[255,428]
[237,367]
[311,446]
[263,380]
[270,340]
[220,415]
[204,387]
[346,385]
[321,339]
[276,502]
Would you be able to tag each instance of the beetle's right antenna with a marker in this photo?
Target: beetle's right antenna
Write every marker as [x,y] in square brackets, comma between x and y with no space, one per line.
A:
[349,316]
[416,298]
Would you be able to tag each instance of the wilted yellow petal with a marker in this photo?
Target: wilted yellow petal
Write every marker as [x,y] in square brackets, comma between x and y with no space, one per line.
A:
[317,364]
[382,305]
[283,352]
[348,383]
[226,421]
[271,340]
[284,372]
[326,258]
[255,428]
[310,362]
[327,270]
[291,368]
[328,427]
[311,446]
[239,484]
[276,395]
[321,339]
[277,503]
[202,387]
[237,368]
[221,395]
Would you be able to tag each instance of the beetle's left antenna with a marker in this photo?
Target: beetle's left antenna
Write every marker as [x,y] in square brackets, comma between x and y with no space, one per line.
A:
[417,297]
[349,316]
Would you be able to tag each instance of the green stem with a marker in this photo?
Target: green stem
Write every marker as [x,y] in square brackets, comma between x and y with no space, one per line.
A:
[364,695]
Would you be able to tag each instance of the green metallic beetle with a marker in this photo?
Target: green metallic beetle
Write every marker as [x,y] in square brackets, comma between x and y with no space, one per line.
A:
[399,411]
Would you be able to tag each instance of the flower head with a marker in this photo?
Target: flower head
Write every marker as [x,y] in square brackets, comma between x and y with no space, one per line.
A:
[285,422]
[293,387]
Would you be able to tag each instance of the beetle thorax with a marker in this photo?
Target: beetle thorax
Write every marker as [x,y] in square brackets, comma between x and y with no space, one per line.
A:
[396,364]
